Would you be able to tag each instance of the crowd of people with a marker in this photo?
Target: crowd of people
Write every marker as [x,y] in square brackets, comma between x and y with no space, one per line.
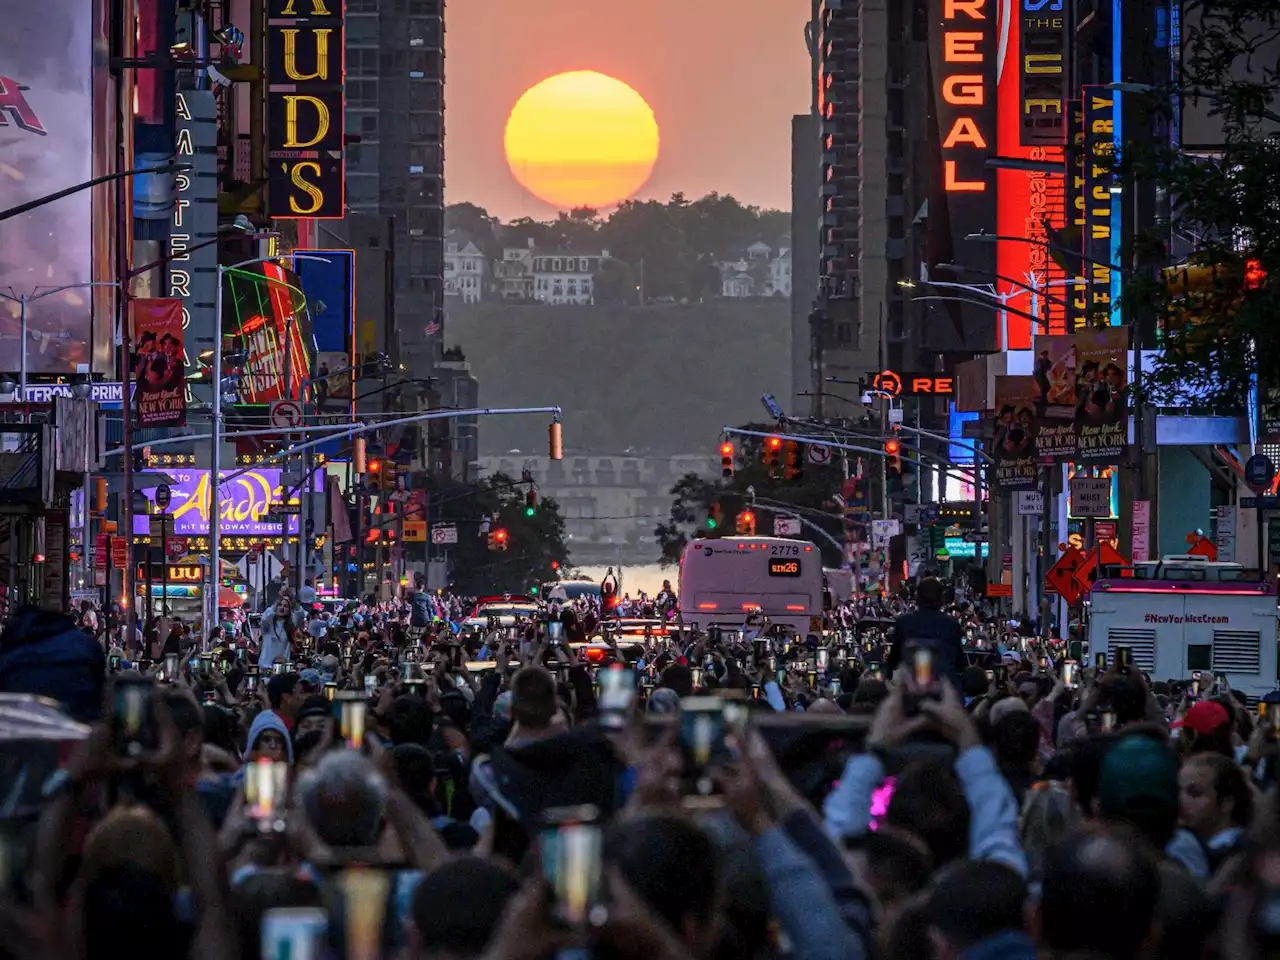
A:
[918,780]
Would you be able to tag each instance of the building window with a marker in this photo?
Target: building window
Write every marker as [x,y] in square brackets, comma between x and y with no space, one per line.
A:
[582,266]
[844,333]
[555,264]
[360,30]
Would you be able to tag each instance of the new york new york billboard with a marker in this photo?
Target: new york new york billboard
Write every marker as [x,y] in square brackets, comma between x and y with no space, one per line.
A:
[46,145]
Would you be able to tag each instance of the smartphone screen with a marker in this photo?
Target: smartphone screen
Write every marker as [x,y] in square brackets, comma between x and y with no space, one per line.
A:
[702,730]
[922,668]
[133,729]
[330,690]
[1100,660]
[617,690]
[266,794]
[1124,657]
[171,667]
[555,632]
[824,658]
[294,933]
[114,661]
[570,845]
[370,684]
[1069,671]
[352,715]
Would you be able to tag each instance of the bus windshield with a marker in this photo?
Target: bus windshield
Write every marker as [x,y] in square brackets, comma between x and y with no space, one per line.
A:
[726,579]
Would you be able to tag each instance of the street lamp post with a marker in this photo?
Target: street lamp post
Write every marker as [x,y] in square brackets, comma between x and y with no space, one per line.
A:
[215,482]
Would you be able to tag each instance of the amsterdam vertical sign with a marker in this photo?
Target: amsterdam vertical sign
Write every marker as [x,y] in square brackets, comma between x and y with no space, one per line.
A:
[305,111]
[1099,177]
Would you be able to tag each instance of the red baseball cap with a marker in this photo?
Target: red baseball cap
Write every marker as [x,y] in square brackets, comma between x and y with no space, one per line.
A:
[1204,717]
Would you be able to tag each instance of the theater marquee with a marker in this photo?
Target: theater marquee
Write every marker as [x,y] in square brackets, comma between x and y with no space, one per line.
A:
[1042,64]
[305,115]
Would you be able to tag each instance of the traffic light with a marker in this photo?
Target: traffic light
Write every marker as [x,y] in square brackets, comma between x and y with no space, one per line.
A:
[713,516]
[498,539]
[100,495]
[893,455]
[746,524]
[357,456]
[794,468]
[772,448]
[555,441]
[530,503]
[726,460]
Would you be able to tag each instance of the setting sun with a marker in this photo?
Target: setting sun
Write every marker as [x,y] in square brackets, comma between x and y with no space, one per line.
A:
[582,139]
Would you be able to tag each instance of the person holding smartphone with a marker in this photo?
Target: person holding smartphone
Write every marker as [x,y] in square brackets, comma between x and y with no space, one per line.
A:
[928,627]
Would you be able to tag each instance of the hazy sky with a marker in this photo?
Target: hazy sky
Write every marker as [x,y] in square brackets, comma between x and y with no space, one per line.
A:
[723,79]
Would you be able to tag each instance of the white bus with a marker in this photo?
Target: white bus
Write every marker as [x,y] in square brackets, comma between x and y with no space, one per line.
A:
[723,580]
[1184,614]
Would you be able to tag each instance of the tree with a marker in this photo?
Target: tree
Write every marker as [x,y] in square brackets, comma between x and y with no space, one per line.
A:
[475,222]
[615,283]
[810,496]
[647,236]
[533,545]
[1224,213]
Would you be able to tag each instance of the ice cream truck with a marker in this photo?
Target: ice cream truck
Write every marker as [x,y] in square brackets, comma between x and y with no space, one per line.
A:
[1183,614]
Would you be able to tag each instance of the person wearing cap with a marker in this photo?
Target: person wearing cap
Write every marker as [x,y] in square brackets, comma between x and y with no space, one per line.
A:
[1205,728]
[310,682]
[1138,786]
[316,713]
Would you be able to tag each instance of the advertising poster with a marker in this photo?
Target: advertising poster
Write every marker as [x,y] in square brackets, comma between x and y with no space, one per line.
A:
[1055,373]
[245,501]
[46,145]
[1014,440]
[1102,394]
[158,368]
[266,311]
[1269,414]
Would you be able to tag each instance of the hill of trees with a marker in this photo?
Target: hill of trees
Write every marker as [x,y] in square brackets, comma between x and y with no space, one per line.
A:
[656,380]
[677,243]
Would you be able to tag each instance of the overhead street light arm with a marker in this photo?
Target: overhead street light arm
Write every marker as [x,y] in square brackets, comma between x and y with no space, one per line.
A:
[1041,291]
[1065,251]
[996,305]
[96,181]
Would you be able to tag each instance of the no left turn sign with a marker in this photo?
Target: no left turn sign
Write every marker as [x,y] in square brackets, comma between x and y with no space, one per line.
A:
[286,414]
[819,453]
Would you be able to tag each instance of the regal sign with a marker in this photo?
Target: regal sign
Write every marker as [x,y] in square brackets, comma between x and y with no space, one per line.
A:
[963,54]
[305,111]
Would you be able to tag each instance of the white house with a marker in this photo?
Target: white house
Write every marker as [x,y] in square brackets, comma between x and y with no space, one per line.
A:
[759,251]
[736,282]
[513,274]
[566,276]
[463,268]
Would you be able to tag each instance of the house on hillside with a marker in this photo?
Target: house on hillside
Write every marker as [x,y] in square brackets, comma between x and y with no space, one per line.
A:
[566,276]
[464,268]
[736,280]
[513,274]
[780,274]
[760,251]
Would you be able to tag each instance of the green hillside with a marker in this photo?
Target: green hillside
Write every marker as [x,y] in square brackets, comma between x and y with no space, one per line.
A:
[661,380]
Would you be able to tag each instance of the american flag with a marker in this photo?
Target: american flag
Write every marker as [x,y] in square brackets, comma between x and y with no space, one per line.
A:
[432,328]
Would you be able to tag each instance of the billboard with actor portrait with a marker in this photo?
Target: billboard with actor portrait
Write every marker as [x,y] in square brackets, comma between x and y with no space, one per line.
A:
[46,145]
[1102,394]
[1055,371]
[158,367]
[1014,439]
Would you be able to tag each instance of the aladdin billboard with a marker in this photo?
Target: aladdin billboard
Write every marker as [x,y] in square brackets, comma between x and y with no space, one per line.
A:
[47,144]
[245,501]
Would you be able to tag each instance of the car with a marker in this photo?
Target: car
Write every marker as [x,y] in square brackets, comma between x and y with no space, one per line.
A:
[507,610]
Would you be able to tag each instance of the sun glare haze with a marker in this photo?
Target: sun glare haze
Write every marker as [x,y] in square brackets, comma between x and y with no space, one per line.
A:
[582,139]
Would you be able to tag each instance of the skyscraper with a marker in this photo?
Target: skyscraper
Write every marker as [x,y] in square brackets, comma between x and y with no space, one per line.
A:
[395,106]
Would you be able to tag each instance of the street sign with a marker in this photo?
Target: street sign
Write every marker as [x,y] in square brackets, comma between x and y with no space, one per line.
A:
[1062,576]
[163,496]
[286,509]
[1259,471]
[920,512]
[286,414]
[786,527]
[442,534]
[1091,496]
[159,521]
[818,453]
[1104,530]
[1260,503]
[415,531]
[175,547]
[119,553]
[1030,503]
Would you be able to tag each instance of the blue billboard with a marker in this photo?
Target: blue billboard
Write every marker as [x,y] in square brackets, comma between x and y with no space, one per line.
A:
[328,278]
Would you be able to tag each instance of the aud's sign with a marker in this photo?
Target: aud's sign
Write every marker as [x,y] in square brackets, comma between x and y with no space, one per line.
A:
[305,115]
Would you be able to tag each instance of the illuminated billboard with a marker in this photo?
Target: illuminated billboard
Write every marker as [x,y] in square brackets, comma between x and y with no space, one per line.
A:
[305,109]
[1032,203]
[193,275]
[329,277]
[47,145]
[1099,178]
[267,316]
[245,502]
[962,64]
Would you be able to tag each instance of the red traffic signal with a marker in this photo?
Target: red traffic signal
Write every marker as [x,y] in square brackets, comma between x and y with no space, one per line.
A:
[746,524]
[726,460]
[772,447]
[500,536]
[794,468]
[893,454]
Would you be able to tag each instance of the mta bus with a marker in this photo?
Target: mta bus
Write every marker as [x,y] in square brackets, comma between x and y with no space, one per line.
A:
[1182,614]
[725,579]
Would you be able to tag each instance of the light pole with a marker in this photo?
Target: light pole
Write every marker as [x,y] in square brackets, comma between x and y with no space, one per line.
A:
[215,482]
[22,299]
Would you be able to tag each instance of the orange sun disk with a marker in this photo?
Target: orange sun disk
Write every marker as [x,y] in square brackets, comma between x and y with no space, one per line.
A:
[582,139]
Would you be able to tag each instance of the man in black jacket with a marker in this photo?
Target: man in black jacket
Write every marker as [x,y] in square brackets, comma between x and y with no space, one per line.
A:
[929,627]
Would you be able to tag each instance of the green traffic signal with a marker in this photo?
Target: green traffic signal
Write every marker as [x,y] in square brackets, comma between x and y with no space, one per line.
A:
[711,523]
[529,511]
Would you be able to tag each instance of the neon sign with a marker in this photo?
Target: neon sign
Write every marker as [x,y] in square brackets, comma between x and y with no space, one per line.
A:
[967,27]
[895,385]
[1099,177]
[1042,61]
